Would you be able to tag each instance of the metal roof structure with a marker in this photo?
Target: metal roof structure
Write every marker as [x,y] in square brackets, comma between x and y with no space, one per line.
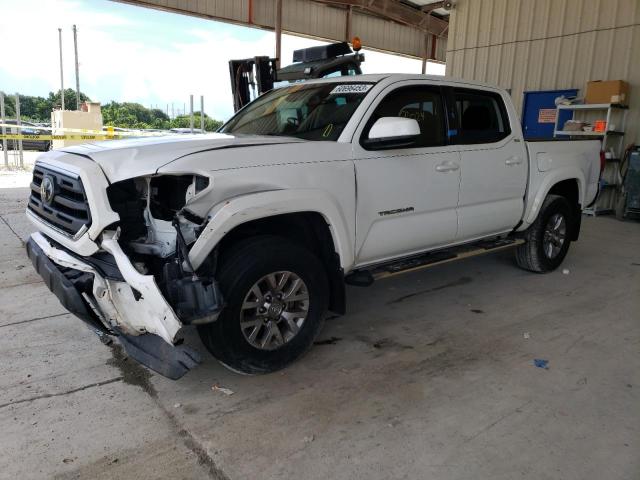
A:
[415,28]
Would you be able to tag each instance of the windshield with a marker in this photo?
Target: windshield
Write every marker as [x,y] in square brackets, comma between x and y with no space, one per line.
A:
[312,111]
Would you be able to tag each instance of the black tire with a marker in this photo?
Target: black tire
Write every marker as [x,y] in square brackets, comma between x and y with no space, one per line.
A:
[239,270]
[532,255]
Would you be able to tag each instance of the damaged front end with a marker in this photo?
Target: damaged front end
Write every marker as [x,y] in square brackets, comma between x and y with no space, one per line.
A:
[156,231]
[139,285]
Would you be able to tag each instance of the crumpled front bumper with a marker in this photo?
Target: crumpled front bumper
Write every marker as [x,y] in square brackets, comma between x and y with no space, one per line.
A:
[120,302]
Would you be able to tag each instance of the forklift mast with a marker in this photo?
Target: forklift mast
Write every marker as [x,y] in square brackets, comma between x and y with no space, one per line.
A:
[252,77]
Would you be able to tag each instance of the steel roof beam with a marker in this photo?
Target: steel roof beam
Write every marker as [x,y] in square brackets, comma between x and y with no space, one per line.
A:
[398,12]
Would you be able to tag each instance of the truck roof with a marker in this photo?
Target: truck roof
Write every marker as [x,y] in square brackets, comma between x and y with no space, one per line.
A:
[394,77]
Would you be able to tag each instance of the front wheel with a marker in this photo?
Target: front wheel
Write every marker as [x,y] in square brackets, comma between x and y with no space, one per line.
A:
[548,238]
[276,294]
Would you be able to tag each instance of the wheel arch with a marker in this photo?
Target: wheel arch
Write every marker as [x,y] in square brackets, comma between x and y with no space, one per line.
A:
[312,220]
[564,181]
[569,185]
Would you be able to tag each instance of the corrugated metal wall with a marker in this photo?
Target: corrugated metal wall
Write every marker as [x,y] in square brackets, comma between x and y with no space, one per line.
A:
[547,44]
[309,18]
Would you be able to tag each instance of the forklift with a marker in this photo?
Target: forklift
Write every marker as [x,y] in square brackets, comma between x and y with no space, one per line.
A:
[252,77]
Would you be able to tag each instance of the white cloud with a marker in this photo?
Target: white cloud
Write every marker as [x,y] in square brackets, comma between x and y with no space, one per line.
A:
[115,65]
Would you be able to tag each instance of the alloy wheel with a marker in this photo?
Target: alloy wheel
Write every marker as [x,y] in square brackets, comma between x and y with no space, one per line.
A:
[555,235]
[274,310]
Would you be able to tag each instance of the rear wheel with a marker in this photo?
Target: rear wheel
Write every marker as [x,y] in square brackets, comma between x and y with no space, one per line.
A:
[548,239]
[276,294]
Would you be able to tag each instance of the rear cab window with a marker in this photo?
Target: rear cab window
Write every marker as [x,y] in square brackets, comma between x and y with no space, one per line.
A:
[482,116]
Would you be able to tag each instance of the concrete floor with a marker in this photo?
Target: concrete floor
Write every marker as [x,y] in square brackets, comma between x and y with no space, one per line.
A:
[429,375]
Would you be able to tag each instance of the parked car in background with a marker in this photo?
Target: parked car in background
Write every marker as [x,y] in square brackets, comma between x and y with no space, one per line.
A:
[27,128]
[186,130]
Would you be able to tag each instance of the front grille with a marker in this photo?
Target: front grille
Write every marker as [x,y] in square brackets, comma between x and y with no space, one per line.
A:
[67,209]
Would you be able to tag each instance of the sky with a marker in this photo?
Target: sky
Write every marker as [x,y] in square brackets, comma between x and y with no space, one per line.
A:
[136,54]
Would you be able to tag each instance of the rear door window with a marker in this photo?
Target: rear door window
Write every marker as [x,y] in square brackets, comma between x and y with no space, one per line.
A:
[482,117]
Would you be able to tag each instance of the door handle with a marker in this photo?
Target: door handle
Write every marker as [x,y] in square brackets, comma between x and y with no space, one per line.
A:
[447,167]
[513,161]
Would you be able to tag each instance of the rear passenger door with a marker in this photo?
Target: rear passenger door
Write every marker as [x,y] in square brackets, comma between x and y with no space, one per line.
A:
[493,164]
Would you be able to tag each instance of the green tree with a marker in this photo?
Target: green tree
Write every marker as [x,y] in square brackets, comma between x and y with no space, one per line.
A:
[116,114]
[183,121]
[38,109]
[9,106]
[133,115]
[69,99]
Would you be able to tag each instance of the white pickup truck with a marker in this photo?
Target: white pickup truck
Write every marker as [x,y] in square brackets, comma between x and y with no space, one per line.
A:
[251,233]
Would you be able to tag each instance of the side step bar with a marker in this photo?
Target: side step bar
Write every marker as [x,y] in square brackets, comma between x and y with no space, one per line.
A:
[365,277]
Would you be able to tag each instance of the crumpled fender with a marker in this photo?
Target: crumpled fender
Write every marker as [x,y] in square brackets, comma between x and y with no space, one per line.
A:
[232,212]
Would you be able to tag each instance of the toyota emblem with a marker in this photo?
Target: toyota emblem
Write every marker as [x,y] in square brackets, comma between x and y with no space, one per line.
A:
[47,189]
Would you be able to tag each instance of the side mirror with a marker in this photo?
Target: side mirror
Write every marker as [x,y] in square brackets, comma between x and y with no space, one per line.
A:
[392,132]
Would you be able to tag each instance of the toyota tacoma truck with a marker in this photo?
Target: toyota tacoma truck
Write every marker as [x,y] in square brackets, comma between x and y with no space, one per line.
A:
[251,233]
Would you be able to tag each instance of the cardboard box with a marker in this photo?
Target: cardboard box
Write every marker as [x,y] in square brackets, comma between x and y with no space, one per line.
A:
[611,91]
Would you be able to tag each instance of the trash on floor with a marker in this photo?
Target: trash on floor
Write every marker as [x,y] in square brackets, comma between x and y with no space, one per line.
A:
[541,363]
[218,388]
[565,271]
[526,335]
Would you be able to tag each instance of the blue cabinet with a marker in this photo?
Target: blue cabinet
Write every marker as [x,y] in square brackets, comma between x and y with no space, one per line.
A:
[539,110]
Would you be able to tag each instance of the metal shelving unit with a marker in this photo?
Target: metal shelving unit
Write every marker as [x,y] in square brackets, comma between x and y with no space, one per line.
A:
[614,138]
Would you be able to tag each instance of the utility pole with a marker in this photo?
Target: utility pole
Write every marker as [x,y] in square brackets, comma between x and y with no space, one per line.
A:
[173,112]
[191,112]
[61,75]
[4,132]
[202,113]
[75,47]
[18,123]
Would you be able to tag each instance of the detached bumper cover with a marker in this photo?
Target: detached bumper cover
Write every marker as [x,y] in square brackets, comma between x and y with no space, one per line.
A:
[145,324]
[62,286]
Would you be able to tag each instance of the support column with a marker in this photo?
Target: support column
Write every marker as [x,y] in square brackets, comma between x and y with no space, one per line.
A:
[425,54]
[278,30]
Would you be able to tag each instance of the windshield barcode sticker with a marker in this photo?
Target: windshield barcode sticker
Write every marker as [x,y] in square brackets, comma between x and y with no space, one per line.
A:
[351,88]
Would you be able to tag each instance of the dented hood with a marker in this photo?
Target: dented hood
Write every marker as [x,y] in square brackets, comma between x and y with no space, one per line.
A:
[123,159]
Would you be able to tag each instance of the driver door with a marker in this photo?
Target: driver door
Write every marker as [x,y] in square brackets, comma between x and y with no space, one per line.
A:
[406,197]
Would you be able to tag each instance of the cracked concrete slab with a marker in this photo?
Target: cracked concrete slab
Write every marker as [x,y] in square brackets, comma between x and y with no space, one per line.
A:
[27,301]
[429,375]
[69,406]
[109,431]
[20,224]
[17,271]
[442,384]
[61,354]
